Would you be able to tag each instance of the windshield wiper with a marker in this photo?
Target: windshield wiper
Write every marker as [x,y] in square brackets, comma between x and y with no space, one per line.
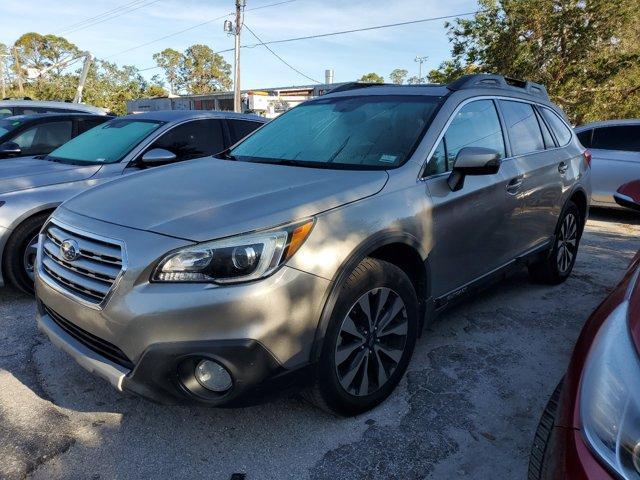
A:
[339,150]
[225,155]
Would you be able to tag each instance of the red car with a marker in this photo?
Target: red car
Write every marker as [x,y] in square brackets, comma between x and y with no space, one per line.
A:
[591,426]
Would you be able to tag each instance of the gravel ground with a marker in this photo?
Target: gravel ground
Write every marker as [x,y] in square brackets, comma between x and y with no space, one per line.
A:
[468,406]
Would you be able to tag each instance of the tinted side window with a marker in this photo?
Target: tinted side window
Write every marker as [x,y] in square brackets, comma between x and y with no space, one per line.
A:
[524,131]
[475,125]
[241,128]
[546,134]
[44,138]
[562,132]
[85,124]
[5,112]
[622,137]
[193,139]
[27,110]
[585,138]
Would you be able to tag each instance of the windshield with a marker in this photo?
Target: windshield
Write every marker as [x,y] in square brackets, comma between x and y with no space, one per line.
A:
[106,143]
[7,125]
[369,132]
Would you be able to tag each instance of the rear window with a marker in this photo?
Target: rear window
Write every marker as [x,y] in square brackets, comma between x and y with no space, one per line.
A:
[621,137]
[522,125]
[560,129]
[585,138]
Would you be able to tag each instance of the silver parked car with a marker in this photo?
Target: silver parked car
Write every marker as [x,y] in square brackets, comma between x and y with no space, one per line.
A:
[12,107]
[32,187]
[615,150]
[314,251]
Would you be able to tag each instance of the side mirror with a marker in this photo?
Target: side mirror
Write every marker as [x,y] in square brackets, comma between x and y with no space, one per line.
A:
[473,161]
[157,156]
[628,195]
[10,148]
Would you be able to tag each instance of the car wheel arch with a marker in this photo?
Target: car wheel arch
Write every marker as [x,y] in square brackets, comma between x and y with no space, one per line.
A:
[388,246]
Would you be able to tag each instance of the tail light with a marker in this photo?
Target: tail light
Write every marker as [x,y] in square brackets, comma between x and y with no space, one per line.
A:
[587,158]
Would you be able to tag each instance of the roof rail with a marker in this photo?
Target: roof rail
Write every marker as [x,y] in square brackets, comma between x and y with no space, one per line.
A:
[498,81]
[355,85]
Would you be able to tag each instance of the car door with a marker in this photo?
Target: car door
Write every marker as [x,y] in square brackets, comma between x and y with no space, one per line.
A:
[192,139]
[43,137]
[615,160]
[534,151]
[474,227]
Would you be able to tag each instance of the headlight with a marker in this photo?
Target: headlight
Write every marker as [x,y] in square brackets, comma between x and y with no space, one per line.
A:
[610,396]
[235,259]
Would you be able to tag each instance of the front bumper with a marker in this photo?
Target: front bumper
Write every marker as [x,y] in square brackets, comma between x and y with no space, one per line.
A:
[262,331]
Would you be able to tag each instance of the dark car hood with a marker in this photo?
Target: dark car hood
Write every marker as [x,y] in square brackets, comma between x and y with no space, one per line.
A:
[29,172]
[208,198]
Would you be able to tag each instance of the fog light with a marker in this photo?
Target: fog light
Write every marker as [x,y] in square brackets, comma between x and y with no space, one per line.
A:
[213,376]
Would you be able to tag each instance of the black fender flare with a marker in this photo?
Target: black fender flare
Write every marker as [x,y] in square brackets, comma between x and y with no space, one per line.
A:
[363,250]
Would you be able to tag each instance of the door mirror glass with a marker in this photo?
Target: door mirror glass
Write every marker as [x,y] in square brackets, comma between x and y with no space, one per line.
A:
[158,156]
[10,148]
[473,161]
[628,195]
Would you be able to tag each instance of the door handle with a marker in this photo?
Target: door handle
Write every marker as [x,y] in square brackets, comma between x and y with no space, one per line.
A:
[514,185]
[563,167]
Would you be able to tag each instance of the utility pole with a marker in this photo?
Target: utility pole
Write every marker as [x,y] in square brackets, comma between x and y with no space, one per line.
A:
[3,91]
[16,60]
[237,101]
[420,60]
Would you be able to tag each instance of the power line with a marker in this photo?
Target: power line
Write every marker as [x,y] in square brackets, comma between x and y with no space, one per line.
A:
[193,27]
[121,13]
[278,56]
[108,12]
[342,32]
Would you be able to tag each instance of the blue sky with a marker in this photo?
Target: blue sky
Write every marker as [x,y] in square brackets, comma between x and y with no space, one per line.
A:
[349,55]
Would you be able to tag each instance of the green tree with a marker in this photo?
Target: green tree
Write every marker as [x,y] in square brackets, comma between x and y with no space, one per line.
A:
[398,76]
[201,70]
[372,78]
[586,52]
[170,60]
[42,51]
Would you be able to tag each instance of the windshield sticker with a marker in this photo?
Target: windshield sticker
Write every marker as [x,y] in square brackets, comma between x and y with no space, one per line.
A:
[388,158]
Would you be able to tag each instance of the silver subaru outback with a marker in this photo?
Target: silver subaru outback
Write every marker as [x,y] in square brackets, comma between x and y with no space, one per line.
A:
[312,253]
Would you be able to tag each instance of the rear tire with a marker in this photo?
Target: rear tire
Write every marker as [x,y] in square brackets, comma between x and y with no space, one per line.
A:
[369,340]
[557,266]
[19,258]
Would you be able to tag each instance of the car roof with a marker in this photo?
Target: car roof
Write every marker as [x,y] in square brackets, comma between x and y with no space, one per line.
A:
[45,104]
[608,123]
[176,115]
[52,116]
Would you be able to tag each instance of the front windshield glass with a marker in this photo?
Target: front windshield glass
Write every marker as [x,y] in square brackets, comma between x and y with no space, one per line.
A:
[368,132]
[106,143]
[8,125]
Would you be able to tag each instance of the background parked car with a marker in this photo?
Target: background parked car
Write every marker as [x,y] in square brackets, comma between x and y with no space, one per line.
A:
[591,426]
[615,150]
[9,108]
[39,134]
[31,188]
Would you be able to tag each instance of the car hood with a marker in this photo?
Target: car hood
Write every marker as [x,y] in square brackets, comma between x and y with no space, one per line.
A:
[208,198]
[29,172]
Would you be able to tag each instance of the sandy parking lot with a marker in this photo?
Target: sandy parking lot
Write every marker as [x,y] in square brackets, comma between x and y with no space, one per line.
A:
[468,407]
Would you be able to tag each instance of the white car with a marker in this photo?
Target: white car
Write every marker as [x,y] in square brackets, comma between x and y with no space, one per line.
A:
[615,157]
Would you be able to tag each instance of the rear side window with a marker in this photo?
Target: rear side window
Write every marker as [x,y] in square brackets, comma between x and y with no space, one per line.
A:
[27,110]
[475,125]
[85,124]
[44,138]
[561,131]
[621,137]
[546,133]
[194,139]
[585,138]
[241,128]
[522,125]
[5,112]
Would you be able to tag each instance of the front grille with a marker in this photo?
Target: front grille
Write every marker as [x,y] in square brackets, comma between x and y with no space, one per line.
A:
[92,274]
[101,347]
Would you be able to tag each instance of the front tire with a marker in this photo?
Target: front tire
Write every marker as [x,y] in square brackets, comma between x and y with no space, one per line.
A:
[20,253]
[556,267]
[369,340]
